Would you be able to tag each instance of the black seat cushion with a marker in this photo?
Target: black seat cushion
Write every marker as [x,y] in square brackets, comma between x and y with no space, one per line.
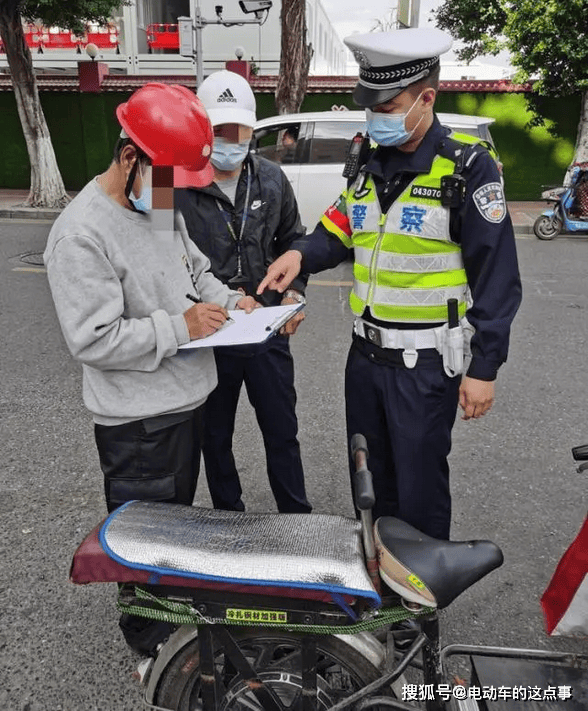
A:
[427,570]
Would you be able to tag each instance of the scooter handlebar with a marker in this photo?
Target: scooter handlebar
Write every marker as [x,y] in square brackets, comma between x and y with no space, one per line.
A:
[580,453]
[362,478]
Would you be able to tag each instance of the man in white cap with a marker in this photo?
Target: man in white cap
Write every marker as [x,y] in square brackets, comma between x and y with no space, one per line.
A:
[242,222]
[435,275]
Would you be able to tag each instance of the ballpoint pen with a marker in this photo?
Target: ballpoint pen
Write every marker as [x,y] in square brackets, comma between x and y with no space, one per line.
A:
[196,300]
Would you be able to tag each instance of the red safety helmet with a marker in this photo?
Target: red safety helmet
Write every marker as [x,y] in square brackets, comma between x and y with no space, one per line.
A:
[170,125]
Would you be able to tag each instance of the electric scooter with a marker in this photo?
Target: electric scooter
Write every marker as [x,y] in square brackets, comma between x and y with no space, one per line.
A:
[568,211]
[275,612]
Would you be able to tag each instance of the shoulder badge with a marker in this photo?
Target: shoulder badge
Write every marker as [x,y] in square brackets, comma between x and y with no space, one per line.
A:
[489,200]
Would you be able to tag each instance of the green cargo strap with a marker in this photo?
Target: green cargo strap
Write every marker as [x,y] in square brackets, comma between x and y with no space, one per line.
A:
[179,613]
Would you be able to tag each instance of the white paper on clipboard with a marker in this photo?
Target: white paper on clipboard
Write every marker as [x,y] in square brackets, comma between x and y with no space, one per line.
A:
[255,327]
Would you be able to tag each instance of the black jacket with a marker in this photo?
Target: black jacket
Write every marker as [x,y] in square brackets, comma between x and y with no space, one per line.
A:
[272,222]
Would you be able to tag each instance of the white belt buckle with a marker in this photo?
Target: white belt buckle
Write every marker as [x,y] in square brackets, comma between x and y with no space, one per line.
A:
[373,335]
[410,354]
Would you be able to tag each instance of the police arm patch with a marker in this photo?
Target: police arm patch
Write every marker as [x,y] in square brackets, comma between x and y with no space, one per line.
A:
[490,202]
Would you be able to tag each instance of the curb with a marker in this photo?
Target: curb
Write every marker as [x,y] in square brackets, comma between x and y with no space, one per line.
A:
[28,213]
[17,212]
[31,213]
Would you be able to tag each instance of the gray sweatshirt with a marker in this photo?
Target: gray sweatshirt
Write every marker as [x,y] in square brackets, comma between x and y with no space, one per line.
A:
[119,289]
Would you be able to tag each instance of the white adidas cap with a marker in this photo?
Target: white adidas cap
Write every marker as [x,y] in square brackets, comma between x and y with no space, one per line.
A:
[228,98]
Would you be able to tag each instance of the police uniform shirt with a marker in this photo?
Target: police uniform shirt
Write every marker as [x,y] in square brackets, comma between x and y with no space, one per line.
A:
[482,227]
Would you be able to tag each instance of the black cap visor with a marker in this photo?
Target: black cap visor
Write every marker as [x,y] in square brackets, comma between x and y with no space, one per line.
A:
[366,98]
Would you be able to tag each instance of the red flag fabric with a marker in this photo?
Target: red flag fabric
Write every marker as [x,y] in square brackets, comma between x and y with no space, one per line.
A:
[565,600]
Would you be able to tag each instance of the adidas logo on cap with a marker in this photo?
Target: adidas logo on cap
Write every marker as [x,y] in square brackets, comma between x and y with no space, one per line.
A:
[227,95]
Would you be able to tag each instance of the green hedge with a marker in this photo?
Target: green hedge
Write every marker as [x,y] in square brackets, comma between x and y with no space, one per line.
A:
[84,129]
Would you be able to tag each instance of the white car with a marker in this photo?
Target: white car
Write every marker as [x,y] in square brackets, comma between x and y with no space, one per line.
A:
[311,149]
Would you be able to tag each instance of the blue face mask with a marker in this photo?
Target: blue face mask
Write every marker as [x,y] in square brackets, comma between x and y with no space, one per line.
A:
[390,129]
[228,156]
[144,202]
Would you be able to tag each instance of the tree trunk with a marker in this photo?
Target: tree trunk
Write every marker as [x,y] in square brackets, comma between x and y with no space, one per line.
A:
[581,149]
[47,189]
[295,58]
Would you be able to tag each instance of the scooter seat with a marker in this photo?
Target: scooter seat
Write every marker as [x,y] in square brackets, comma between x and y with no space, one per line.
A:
[292,551]
[426,570]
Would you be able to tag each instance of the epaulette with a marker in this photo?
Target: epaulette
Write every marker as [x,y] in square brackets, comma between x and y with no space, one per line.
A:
[462,154]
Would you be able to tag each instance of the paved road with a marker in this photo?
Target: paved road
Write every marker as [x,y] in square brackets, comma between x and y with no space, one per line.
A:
[513,478]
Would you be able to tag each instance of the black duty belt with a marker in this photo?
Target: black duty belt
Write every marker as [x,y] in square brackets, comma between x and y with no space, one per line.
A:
[428,357]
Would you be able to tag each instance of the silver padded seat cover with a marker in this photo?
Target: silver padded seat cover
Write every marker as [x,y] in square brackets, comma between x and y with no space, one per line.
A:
[291,550]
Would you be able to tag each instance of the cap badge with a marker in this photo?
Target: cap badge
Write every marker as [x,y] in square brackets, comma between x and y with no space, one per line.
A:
[362,59]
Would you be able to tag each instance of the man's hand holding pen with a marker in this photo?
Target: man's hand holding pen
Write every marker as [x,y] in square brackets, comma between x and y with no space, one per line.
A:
[204,319]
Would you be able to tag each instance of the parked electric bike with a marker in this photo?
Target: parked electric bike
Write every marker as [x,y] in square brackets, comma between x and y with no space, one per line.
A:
[568,211]
[276,612]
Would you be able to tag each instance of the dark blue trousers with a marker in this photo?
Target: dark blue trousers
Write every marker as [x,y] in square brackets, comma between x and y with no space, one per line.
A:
[406,416]
[267,370]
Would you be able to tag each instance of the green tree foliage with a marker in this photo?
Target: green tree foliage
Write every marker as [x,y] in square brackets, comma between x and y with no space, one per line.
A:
[479,26]
[547,39]
[72,14]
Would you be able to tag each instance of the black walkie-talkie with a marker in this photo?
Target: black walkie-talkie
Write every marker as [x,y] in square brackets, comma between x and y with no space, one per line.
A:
[452,313]
[356,155]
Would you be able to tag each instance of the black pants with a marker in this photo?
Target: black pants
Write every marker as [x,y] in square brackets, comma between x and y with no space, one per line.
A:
[406,416]
[268,373]
[156,459]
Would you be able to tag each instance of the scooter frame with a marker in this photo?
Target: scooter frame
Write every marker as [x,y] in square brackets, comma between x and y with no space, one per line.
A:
[434,659]
[560,201]
[434,664]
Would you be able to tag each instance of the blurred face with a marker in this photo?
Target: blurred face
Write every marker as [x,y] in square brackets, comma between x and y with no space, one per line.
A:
[233,132]
[230,148]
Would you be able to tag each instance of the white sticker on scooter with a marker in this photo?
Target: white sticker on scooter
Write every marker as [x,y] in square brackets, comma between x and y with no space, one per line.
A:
[490,202]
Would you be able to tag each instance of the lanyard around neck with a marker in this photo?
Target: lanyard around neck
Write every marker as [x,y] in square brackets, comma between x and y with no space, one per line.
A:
[230,227]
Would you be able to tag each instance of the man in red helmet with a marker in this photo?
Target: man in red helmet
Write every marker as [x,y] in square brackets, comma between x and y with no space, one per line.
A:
[119,275]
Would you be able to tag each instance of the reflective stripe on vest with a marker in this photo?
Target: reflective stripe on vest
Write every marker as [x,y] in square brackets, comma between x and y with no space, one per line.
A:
[406,266]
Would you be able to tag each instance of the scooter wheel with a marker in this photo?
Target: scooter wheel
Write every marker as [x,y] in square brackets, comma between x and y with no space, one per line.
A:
[276,658]
[547,228]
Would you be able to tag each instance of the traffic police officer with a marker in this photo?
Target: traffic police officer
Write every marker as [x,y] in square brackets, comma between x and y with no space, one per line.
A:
[435,276]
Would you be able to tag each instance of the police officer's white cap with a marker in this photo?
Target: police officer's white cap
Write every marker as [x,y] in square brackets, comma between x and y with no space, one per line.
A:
[391,61]
[228,98]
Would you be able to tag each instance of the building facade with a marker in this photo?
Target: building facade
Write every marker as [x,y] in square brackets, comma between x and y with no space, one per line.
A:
[144,39]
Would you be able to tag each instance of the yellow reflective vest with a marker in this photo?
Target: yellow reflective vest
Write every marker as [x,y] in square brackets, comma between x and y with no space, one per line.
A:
[406,265]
